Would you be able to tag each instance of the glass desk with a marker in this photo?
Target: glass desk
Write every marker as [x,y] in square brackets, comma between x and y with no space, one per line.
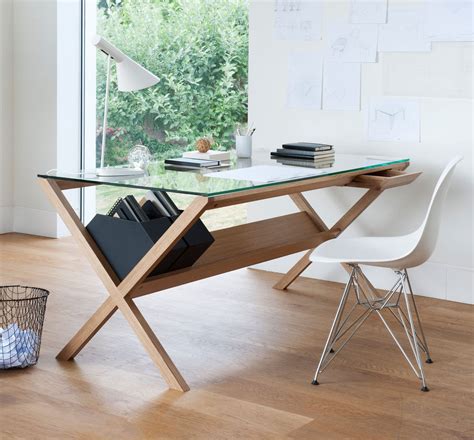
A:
[199,182]
[233,248]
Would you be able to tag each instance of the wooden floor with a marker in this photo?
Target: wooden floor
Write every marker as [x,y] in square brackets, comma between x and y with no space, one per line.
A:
[247,351]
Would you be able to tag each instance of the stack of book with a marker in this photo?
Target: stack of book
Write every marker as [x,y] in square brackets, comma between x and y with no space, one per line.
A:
[208,155]
[305,154]
[156,204]
[189,163]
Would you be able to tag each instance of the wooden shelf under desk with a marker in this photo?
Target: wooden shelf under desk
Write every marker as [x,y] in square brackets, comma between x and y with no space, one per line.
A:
[242,246]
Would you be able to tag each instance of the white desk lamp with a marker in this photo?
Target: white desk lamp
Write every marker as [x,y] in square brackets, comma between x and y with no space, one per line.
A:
[130,77]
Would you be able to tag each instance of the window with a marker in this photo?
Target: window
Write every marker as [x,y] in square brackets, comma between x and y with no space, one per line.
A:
[199,50]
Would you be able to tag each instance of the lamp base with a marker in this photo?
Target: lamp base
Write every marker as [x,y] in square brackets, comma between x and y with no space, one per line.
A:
[113,171]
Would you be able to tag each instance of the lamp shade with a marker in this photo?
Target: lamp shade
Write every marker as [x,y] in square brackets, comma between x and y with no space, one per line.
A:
[131,76]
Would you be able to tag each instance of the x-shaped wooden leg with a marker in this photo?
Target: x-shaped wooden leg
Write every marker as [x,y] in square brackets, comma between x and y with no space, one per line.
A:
[303,205]
[119,290]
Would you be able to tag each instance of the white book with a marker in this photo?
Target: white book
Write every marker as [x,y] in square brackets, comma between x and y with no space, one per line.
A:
[210,155]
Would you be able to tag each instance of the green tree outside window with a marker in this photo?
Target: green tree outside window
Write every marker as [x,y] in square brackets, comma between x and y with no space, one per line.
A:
[199,50]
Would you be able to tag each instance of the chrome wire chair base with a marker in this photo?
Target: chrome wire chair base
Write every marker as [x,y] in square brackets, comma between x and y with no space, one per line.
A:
[369,301]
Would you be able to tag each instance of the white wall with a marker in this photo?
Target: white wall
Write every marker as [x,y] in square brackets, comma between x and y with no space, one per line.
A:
[40,113]
[34,36]
[443,80]
[6,120]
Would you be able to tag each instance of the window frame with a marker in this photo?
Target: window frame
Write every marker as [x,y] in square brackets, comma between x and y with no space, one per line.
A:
[87,105]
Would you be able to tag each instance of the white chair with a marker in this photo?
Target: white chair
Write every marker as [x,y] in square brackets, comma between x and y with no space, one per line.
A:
[397,253]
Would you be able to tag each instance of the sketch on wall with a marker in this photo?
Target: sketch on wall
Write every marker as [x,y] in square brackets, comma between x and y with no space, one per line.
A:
[305,76]
[368,11]
[298,20]
[375,25]
[394,119]
[405,30]
[353,43]
[341,86]
[449,20]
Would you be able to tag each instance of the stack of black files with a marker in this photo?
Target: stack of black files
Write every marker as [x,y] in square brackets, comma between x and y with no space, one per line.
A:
[305,154]
[129,231]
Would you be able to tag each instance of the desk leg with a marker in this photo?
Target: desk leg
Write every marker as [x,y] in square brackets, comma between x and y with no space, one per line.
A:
[119,291]
[88,330]
[303,205]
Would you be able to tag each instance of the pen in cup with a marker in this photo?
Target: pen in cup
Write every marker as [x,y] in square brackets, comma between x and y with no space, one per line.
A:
[249,130]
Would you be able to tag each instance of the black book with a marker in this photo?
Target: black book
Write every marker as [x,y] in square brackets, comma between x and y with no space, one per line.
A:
[305,163]
[307,146]
[192,163]
[295,155]
[315,154]
[125,212]
[151,210]
[166,201]
[151,195]
[114,210]
[137,209]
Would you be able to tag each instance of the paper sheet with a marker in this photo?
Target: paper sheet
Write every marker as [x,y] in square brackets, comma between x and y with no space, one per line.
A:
[404,31]
[394,119]
[449,20]
[298,20]
[341,86]
[305,76]
[353,43]
[368,11]
[267,173]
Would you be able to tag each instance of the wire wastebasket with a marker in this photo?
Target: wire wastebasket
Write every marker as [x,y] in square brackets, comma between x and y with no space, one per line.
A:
[22,312]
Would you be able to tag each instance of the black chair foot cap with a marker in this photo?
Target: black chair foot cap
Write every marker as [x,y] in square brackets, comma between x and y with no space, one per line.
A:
[331,351]
[425,389]
[429,361]
[315,382]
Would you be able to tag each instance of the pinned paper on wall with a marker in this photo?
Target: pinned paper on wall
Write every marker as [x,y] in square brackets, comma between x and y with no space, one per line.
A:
[394,119]
[298,20]
[341,86]
[305,76]
[368,11]
[449,20]
[353,43]
[404,31]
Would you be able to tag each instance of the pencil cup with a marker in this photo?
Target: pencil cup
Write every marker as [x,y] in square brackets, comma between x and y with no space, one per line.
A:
[243,146]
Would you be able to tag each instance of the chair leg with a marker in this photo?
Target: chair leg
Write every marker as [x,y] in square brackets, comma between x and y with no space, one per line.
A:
[415,346]
[420,326]
[372,302]
[334,328]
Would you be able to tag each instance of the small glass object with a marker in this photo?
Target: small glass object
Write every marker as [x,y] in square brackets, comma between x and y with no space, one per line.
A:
[139,157]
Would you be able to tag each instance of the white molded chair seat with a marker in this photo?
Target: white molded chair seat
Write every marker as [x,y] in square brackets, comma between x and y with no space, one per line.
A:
[373,251]
[397,253]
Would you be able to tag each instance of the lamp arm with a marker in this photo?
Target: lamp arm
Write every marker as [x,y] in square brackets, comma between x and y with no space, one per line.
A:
[106,108]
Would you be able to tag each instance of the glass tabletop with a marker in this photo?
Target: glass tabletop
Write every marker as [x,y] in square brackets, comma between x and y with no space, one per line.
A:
[240,175]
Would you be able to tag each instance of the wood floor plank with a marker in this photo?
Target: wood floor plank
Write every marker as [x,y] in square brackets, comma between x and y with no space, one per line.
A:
[248,351]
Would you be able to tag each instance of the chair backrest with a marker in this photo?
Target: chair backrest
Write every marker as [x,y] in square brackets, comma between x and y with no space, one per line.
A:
[427,233]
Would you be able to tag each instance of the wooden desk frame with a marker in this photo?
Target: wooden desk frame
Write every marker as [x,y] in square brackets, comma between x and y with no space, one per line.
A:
[234,248]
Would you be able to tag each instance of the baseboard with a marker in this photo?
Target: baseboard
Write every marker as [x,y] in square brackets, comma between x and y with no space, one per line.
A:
[6,219]
[434,280]
[38,222]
